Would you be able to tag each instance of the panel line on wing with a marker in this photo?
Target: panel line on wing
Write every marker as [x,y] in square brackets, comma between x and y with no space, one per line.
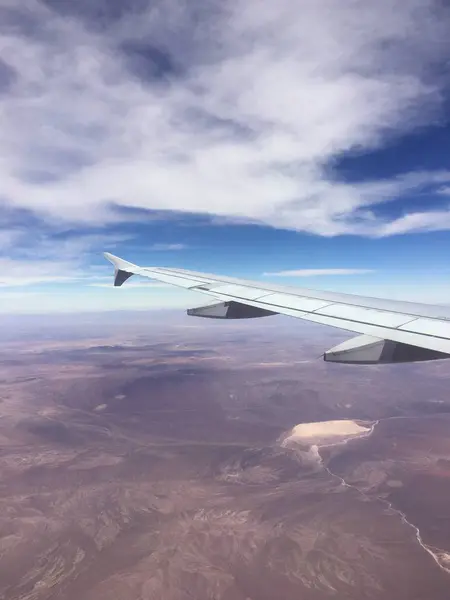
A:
[422,326]
[407,323]
[326,306]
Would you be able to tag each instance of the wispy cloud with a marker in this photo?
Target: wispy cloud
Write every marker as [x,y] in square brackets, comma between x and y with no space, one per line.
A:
[131,285]
[315,272]
[164,247]
[19,273]
[8,238]
[418,221]
[45,259]
[239,114]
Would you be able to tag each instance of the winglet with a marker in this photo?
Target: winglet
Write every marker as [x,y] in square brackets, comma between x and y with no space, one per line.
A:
[123,269]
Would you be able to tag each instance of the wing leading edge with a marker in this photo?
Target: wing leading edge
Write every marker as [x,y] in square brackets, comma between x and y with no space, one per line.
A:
[390,331]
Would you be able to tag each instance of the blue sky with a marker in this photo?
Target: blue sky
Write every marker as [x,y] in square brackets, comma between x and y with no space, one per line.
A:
[303,144]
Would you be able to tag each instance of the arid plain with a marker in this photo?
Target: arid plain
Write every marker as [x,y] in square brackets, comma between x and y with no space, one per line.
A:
[150,456]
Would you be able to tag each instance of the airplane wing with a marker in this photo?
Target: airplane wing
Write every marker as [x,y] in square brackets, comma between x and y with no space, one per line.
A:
[389,331]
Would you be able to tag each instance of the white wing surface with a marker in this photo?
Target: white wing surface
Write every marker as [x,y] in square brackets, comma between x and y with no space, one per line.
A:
[391,331]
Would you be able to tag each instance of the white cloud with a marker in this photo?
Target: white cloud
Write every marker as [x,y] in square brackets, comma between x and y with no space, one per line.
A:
[41,259]
[164,247]
[418,221]
[131,285]
[315,272]
[66,260]
[18,273]
[270,94]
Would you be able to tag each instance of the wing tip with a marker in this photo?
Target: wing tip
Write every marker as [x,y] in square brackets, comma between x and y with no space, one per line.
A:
[123,269]
[109,256]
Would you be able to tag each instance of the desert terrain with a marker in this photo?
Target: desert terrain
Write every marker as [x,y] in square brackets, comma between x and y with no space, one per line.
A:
[150,456]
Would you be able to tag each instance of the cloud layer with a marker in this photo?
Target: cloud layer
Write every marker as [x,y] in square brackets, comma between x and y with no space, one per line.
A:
[237,110]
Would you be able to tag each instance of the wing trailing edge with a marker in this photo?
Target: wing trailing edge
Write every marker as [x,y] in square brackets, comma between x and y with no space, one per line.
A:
[393,331]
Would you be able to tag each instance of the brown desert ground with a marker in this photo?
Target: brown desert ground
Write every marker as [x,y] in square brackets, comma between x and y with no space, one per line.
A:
[156,457]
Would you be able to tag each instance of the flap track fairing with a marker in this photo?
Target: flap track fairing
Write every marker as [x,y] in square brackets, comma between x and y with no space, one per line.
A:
[229,310]
[368,350]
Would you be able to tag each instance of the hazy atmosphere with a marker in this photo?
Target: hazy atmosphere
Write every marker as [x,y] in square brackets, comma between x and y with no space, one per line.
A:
[165,461]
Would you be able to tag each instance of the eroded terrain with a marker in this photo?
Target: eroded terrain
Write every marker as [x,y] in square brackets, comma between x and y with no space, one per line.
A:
[146,459]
